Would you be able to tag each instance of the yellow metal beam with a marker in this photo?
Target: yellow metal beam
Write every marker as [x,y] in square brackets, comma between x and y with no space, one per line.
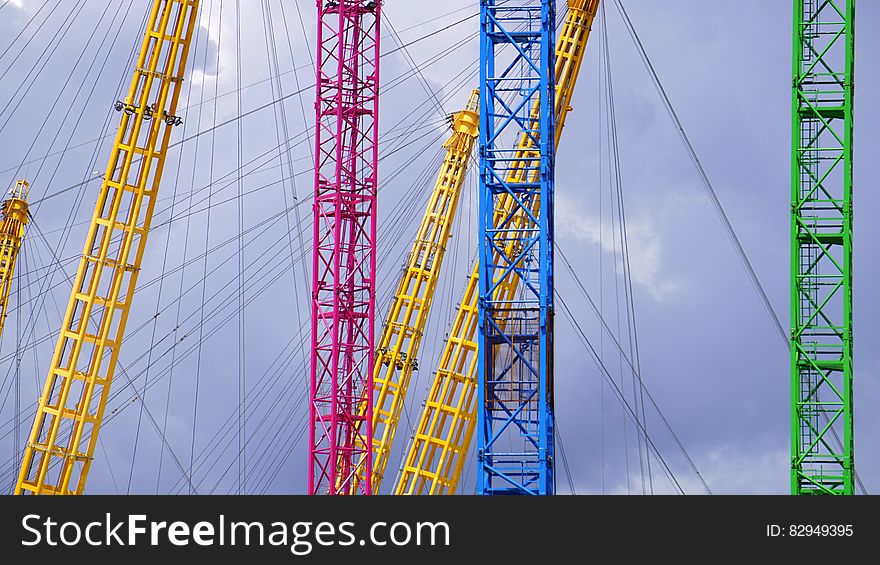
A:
[444,434]
[62,442]
[14,215]
[398,348]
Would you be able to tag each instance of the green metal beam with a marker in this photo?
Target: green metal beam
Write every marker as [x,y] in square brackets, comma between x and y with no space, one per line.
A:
[821,248]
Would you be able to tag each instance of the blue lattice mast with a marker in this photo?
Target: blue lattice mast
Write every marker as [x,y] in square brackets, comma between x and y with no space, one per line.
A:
[515,359]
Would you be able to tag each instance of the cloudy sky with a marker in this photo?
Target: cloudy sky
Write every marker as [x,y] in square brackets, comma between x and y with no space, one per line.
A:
[709,354]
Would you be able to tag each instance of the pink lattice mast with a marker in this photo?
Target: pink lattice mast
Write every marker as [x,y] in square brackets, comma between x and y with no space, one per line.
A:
[344,260]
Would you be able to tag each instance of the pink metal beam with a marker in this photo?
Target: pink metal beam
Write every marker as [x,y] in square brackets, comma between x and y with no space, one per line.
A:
[344,260]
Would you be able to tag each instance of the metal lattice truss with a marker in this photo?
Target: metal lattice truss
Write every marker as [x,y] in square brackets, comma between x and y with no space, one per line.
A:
[821,288]
[398,347]
[344,259]
[62,443]
[515,444]
[13,221]
[445,432]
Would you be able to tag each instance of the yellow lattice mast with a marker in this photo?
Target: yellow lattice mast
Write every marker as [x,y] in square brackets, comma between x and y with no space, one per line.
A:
[14,219]
[65,432]
[444,433]
[398,348]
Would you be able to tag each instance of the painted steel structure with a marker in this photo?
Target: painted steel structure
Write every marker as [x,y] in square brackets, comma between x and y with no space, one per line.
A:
[398,348]
[515,416]
[62,442]
[821,251]
[14,220]
[344,252]
[445,431]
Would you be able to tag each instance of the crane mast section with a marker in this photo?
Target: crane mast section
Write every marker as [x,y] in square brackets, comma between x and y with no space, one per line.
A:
[445,431]
[344,246]
[822,448]
[62,442]
[515,419]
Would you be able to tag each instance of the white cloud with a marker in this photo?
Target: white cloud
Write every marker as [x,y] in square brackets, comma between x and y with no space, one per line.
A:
[644,238]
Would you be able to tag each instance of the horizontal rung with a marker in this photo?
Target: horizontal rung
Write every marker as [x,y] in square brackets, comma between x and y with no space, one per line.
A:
[58,451]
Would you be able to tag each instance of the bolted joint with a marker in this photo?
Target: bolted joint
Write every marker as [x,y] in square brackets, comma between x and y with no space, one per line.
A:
[171,120]
[129,109]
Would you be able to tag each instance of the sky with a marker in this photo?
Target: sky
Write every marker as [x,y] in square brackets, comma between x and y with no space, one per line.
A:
[709,355]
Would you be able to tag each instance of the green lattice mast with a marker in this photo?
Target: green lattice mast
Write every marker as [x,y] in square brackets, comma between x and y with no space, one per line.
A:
[821,253]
